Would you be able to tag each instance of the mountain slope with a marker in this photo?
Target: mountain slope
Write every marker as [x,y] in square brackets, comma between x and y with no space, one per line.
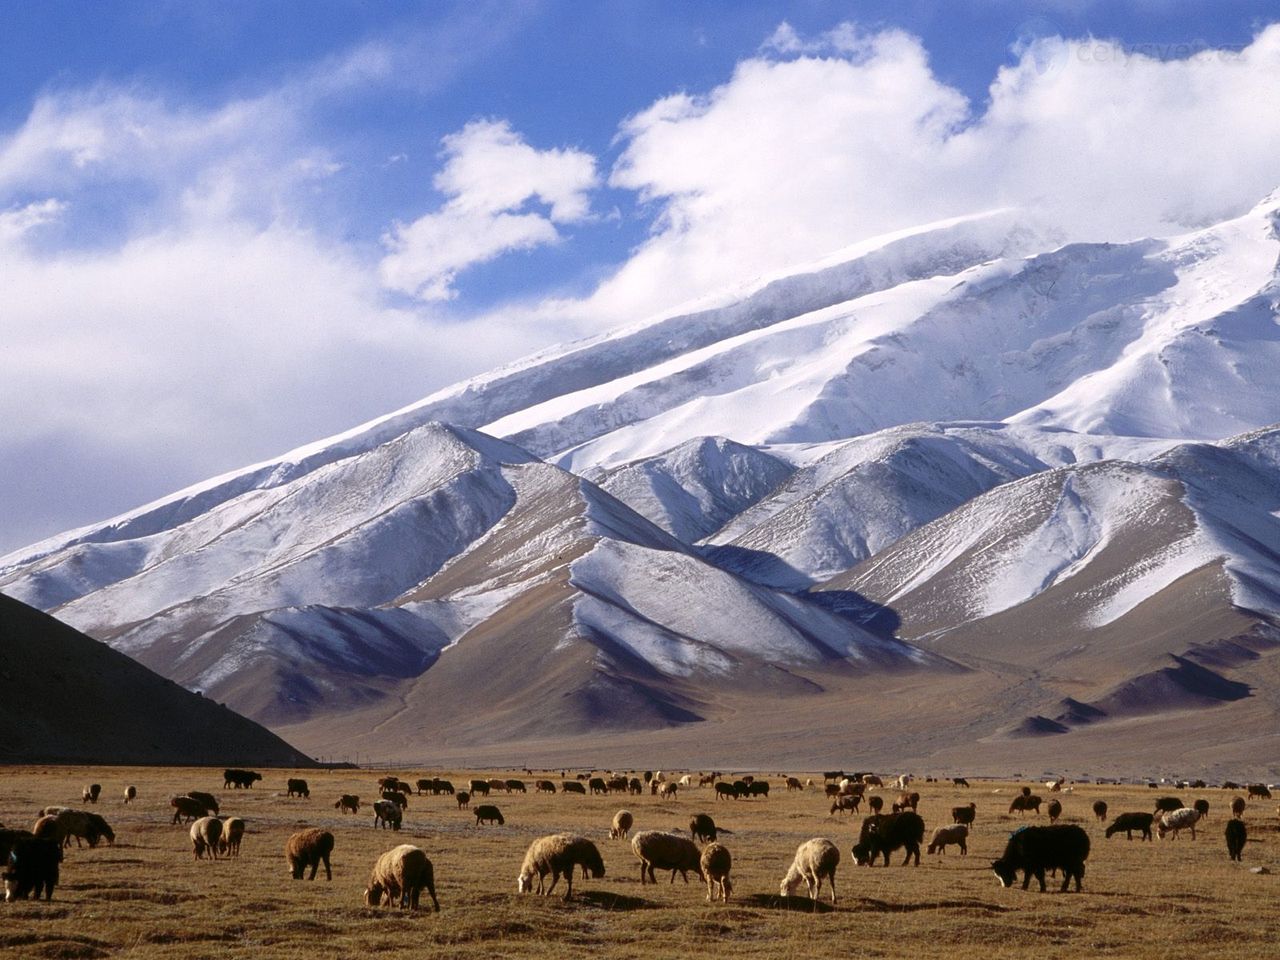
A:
[70,699]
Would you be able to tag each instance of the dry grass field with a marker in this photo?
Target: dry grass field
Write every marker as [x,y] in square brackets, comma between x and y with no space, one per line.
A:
[147,898]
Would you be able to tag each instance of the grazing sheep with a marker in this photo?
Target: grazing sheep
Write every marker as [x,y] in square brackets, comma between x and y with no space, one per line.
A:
[91,793]
[1236,837]
[557,855]
[960,781]
[402,873]
[544,786]
[239,778]
[635,787]
[758,788]
[439,786]
[944,836]
[572,786]
[130,793]
[386,815]
[210,802]
[309,848]
[499,784]
[1175,821]
[702,828]
[726,791]
[793,783]
[232,834]
[1259,791]
[46,827]
[906,801]
[871,780]
[486,813]
[387,783]
[187,808]
[1055,786]
[965,815]
[479,788]
[424,785]
[1025,802]
[1201,806]
[1129,822]
[1033,850]
[618,784]
[901,782]
[883,833]
[50,811]
[298,788]
[597,785]
[846,804]
[82,825]
[666,851]
[396,797]
[205,834]
[348,803]
[1100,810]
[1237,808]
[815,860]
[668,790]
[1168,805]
[1054,810]
[876,804]
[31,867]
[464,799]
[716,863]
[622,821]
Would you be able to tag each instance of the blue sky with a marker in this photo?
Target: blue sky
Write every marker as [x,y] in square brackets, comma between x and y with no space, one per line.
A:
[229,228]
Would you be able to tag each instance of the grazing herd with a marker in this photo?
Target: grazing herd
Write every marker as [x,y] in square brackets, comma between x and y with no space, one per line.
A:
[31,860]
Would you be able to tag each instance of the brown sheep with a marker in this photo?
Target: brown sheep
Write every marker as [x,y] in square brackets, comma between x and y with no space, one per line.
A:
[557,855]
[1055,811]
[83,826]
[666,851]
[309,848]
[1025,802]
[396,797]
[1100,810]
[348,803]
[130,793]
[1237,808]
[965,815]
[187,808]
[46,827]
[206,833]
[716,862]
[208,799]
[876,804]
[91,793]
[486,813]
[402,873]
[906,801]
[463,798]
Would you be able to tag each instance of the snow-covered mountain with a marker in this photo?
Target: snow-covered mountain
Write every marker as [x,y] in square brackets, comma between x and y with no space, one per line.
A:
[905,460]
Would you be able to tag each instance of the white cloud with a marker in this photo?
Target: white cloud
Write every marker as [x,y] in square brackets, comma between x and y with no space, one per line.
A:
[17,222]
[490,176]
[817,144]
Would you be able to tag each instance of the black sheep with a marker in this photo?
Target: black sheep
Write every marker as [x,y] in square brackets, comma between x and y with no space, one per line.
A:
[33,868]
[1236,836]
[1169,804]
[1033,850]
[883,833]
[1129,822]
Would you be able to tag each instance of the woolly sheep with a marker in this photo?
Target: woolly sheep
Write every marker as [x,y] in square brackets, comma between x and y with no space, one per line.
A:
[1177,820]
[402,873]
[1202,806]
[348,803]
[1237,808]
[205,834]
[386,814]
[793,783]
[815,860]
[572,786]
[130,793]
[208,799]
[544,786]
[622,821]
[702,827]
[944,836]
[187,808]
[91,793]
[296,787]
[1054,810]
[463,798]
[487,813]
[45,827]
[83,826]
[1100,810]
[666,851]
[232,834]
[966,814]
[716,862]
[557,855]
[309,848]
[667,790]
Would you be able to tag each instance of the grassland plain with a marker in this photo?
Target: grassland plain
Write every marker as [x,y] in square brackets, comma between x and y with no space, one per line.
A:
[146,897]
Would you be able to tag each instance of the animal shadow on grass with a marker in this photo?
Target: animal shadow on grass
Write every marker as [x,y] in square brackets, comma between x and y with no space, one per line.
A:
[884,906]
[772,901]
[608,900]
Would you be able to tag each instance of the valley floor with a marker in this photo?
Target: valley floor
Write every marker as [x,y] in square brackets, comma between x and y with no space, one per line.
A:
[146,897]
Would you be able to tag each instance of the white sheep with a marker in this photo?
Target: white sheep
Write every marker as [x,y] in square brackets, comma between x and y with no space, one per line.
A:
[685,781]
[902,781]
[666,851]
[814,860]
[232,834]
[944,836]
[716,862]
[557,855]
[205,834]
[1176,820]
[622,822]
[402,873]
